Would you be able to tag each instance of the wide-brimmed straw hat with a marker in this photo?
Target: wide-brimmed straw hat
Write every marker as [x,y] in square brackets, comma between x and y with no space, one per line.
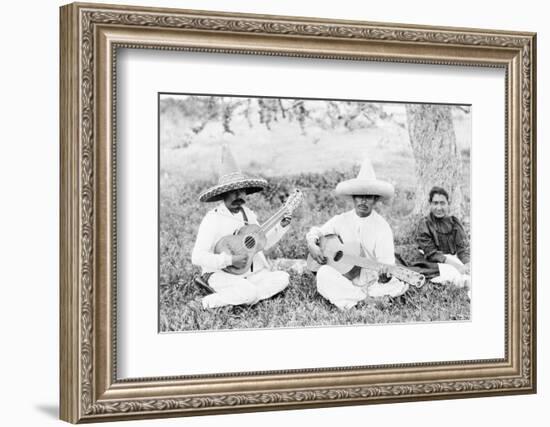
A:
[365,184]
[231,178]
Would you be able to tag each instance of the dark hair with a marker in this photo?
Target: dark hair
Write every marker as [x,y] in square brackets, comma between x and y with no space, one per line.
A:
[438,190]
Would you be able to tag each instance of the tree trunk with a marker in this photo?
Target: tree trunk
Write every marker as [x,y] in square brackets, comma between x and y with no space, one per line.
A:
[436,155]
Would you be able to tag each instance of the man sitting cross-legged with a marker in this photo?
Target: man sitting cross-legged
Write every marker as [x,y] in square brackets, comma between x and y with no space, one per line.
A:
[225,219]
[364,225]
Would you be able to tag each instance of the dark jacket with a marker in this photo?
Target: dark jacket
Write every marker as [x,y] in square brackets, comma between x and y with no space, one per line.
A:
[439,236]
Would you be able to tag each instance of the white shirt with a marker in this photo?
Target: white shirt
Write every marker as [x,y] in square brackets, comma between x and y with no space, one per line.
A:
[220,222]
[373,232]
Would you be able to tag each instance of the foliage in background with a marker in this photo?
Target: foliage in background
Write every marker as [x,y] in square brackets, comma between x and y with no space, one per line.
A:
[431,129]
[191,114]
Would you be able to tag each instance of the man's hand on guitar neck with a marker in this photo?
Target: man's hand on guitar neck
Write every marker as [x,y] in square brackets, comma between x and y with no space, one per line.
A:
[285,221]
[384,275]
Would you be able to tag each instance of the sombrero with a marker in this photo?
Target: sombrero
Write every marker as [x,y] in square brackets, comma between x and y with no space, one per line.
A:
[365,184]
[231,178]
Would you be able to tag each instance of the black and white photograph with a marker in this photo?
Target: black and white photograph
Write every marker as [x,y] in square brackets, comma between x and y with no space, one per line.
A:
[291,212]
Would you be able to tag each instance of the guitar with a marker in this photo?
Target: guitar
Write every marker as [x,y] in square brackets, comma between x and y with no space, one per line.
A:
[251,239]
[344,258]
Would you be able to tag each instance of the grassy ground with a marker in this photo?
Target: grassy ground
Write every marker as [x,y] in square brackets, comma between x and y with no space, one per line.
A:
[300,305]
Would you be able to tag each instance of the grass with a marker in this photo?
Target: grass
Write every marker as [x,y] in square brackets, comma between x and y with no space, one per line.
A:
[300,306]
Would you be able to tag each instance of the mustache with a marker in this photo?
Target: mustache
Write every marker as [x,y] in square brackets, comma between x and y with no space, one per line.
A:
[238,202]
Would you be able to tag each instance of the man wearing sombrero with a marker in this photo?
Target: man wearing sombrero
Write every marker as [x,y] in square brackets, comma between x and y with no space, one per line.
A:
[228,216]
[364,225]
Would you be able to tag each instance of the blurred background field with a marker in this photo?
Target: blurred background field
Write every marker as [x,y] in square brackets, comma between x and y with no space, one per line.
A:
[313,159]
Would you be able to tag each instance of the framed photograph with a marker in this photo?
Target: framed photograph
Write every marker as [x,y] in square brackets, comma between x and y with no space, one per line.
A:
[267,212]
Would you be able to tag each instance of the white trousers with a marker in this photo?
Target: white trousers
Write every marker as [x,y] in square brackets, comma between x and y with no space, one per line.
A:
[450,274]
[344,293]
[232,289]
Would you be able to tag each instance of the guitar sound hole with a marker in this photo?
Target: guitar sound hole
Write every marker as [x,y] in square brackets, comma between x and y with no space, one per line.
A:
[249,242]
[338,256]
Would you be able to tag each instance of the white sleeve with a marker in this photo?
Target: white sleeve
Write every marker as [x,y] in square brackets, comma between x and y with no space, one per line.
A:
[252,217]
[385,249]
[327,228]
[313,235]
[203,254]
[331,226]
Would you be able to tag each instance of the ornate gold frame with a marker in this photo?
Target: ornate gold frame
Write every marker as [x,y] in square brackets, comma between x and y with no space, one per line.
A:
[90,35]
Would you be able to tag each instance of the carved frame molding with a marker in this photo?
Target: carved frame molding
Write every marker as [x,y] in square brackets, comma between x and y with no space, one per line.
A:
[90,36]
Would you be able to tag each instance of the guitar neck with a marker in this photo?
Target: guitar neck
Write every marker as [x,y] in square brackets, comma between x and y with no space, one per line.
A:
[273,220]
[409,276]
[291,204]
[363,262]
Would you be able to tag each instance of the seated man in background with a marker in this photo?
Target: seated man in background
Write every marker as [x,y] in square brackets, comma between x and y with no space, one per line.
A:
[443,241]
